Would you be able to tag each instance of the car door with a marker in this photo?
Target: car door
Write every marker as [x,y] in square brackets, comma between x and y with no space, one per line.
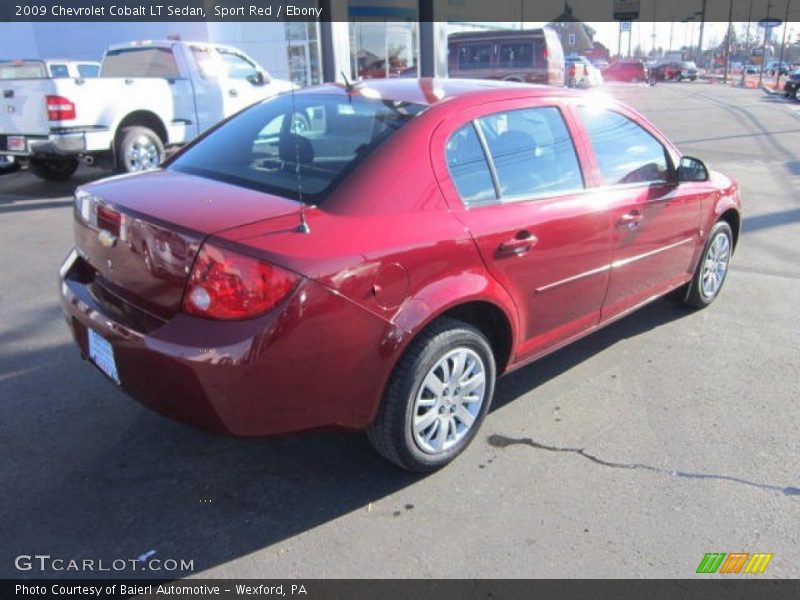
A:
[655,222]
[514,178]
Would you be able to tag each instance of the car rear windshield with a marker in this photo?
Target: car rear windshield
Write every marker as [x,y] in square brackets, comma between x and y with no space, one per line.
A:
[299,146]
[140,62]
[22,69]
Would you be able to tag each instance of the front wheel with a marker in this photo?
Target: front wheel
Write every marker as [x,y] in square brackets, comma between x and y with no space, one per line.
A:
[436,398]
[53,169]
[713,267]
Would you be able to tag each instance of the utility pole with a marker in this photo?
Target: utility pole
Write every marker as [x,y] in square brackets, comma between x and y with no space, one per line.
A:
[747,40]
[783,44]
[728,41]
[702,28]
[764,47]
[671,27]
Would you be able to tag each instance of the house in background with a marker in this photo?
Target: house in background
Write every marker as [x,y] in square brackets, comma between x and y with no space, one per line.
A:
[576,36]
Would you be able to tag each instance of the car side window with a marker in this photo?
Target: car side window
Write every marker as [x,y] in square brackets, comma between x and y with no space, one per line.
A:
[88,70]
[625,151]
[469,168]
[516,55]
[474,56]
[238,67]
[532,152]
[59,71]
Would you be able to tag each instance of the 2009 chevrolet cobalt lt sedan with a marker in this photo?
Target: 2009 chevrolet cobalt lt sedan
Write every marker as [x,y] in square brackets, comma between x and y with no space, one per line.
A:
[373,256]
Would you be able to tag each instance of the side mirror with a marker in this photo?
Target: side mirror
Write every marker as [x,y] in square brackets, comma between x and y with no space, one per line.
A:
[257,78]
[692,169]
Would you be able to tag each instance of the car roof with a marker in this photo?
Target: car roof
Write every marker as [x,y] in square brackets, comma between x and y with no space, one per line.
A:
[431,91]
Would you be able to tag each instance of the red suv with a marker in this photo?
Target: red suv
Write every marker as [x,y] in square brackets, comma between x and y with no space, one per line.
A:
[626,70]
[379,267]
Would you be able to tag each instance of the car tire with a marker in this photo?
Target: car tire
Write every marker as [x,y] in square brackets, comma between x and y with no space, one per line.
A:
[138,149]
[712,268]
[53,169]
[446,418]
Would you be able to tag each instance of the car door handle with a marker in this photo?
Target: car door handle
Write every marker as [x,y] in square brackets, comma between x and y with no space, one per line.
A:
[519,244]
[233,93]
[630,220]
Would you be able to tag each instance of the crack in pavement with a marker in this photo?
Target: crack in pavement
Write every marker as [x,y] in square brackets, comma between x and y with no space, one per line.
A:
[501,441]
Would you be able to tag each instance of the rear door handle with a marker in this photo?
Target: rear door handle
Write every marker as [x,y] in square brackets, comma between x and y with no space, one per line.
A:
[233,93]
[519,244]
[630,219]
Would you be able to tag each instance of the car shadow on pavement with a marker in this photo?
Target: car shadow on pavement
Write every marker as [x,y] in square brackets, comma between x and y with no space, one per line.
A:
[90,474]
[513,385]
[22,190]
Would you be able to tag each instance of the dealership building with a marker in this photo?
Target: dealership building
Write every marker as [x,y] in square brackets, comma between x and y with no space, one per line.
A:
[367,38]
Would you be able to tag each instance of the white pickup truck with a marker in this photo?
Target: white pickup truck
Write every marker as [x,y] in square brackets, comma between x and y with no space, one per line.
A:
[150,96]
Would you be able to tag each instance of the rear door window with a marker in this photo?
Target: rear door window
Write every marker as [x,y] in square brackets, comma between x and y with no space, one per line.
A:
[474,56]
[469,168]
[88,70]
[532,153]
[625,152]
[516,55]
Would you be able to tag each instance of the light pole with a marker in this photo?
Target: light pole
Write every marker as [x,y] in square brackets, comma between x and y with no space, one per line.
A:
[764,47]
[747,41]
[702,28]
[783,44]
[728,41]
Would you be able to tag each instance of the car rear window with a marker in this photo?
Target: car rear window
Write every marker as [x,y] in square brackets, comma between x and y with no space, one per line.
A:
[140,62]
[22,70]
[299,146]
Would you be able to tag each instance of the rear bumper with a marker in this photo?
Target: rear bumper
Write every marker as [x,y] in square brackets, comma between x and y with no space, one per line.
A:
[65,143]
[315,362]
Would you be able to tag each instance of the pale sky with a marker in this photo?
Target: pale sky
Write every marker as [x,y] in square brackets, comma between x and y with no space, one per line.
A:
[682,33]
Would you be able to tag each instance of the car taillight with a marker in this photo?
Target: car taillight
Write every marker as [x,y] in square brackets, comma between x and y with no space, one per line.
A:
[226,285]
[572,70]
[59,108]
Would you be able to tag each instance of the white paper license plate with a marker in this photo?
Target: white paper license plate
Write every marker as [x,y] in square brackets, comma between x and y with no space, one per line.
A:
[16,143]
[102,354]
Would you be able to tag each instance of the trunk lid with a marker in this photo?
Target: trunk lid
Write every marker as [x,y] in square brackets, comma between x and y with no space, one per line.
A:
[141,233]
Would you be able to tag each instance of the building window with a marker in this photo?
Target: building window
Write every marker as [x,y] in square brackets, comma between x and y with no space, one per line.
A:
[571,39]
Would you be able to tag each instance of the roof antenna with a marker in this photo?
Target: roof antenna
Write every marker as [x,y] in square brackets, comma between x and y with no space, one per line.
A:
[347,85]
[303,228]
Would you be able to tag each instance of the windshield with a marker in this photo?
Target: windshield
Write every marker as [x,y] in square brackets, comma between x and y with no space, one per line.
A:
[22,70]
[298,147]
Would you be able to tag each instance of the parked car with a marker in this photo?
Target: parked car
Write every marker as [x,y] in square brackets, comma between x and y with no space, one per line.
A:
[632,71]
[582,73]
[688,70]
[774,67]
[150,96]
[8,164]
[381,269]
[666,71]
[792,84]
[48,69]
[531,56]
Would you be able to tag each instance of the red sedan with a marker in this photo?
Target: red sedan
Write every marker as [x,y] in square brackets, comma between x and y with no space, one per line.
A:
[380,266]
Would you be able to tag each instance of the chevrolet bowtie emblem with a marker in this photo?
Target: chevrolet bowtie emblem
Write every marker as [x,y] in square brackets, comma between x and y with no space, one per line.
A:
[106,238]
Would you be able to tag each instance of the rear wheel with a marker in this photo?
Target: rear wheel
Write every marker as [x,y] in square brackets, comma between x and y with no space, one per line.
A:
[437,397]
[713,267]
[139,149]
[53,169]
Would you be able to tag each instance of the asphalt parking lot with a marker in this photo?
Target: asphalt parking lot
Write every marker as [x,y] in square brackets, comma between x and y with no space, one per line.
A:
[631,453]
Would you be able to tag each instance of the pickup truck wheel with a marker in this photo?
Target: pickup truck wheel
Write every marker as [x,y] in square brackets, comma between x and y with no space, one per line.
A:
[139,149]
[436,398]
[53,169]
